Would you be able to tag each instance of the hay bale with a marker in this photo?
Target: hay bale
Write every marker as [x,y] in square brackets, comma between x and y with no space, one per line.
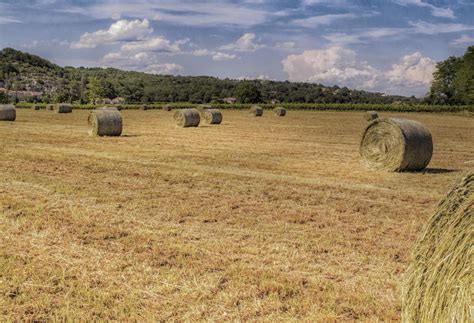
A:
[439,282]
[143,107]
[279,111]
[50,107]
[187,118]
[108,108]
[256,111]
[371,115]
[7,112]
[167,107]
[212,116]
[35,107]
[62,108]
[396,145]
[105,122]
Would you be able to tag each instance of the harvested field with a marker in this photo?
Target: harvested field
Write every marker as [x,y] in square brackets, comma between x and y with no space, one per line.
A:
[259,218]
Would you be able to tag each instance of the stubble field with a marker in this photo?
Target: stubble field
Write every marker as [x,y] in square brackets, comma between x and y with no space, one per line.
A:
[256,219]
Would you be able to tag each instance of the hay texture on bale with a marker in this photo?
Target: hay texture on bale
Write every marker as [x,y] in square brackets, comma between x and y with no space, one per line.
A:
[371,115]
[7,112]
[439,284]
[167,107]
[105,122]
[212,116]
[256,111]
[279,111]
[396,145]
[187,118]
[63,108]
[35,107]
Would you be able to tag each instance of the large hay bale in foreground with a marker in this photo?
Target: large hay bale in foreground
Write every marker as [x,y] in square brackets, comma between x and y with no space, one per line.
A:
[212,116]
[187,118]
[440,278]
[167,107]
[371,115]
[105,122]
[279,111]
[396,145]
[35,107]
[7,112]
[256,111]
[62,108]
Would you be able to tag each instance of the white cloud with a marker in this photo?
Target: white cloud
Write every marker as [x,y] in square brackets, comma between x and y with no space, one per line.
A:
[363,35]
[340,66]
[289,45]
[5,20]
[168,68]
[223,56]
[316,21]
[155,44]
[247,43]
[216,56]
[422,27]
[414,70]
[435,11]
[463,40]
[121,30]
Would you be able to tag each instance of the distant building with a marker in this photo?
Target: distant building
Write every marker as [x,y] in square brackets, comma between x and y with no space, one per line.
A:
[229,100]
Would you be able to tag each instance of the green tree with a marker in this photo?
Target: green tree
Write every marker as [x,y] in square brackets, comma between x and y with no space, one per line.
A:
[442,89]
[464,79]
[248,92]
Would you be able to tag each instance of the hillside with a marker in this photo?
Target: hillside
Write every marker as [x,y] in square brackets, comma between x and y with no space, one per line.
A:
[26,77]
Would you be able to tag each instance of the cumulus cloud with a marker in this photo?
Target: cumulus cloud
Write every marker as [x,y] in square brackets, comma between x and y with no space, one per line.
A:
[216,56]
[247,43]
[121,30]
[341,66]
[168,68]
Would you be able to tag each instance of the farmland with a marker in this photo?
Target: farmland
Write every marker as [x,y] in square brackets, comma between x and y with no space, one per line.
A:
[258,218]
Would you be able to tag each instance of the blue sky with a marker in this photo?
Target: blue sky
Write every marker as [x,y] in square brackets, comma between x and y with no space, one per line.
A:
[390,46]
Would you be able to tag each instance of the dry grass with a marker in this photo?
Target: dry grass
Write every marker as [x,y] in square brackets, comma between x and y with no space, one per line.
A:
[260,218]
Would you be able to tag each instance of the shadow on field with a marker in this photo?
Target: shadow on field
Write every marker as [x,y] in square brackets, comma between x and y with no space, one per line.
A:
[130,136]
[439,170]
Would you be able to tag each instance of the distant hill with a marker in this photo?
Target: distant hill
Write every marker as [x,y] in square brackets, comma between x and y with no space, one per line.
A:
[31,78]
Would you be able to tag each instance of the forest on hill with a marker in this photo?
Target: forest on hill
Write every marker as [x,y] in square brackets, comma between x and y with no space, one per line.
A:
[47,82]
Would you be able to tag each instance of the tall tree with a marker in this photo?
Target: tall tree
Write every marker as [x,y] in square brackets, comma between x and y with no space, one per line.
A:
[442,89]
[464,79]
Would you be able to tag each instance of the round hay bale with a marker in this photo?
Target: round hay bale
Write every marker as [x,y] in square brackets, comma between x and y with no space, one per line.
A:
[7,112]
[108,108]
[371,115]
[167,107]
[256,111]
[35,107]
[62,108]
[212,116]
[396,145]
[187,118]
[143,107]
[439,282]
[50,107]
[279,111]
[105,122]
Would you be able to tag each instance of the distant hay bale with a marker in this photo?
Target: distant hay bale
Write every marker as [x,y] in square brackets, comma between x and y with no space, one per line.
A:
[50,107]
[256,111]
[396,145]
[212,116]
[105,122]
[279,111]
[143,107]
[62,108]
[439,282]
[7,112]
[187,118]
[167,107]
[35,107]
[371,115]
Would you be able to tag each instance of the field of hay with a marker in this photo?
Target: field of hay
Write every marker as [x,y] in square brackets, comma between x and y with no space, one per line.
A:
[258,218]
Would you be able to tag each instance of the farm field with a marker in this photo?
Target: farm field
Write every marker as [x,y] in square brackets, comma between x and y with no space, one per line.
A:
[258,218]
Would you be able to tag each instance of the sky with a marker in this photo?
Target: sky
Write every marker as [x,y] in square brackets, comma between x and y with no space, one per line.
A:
[389,46]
